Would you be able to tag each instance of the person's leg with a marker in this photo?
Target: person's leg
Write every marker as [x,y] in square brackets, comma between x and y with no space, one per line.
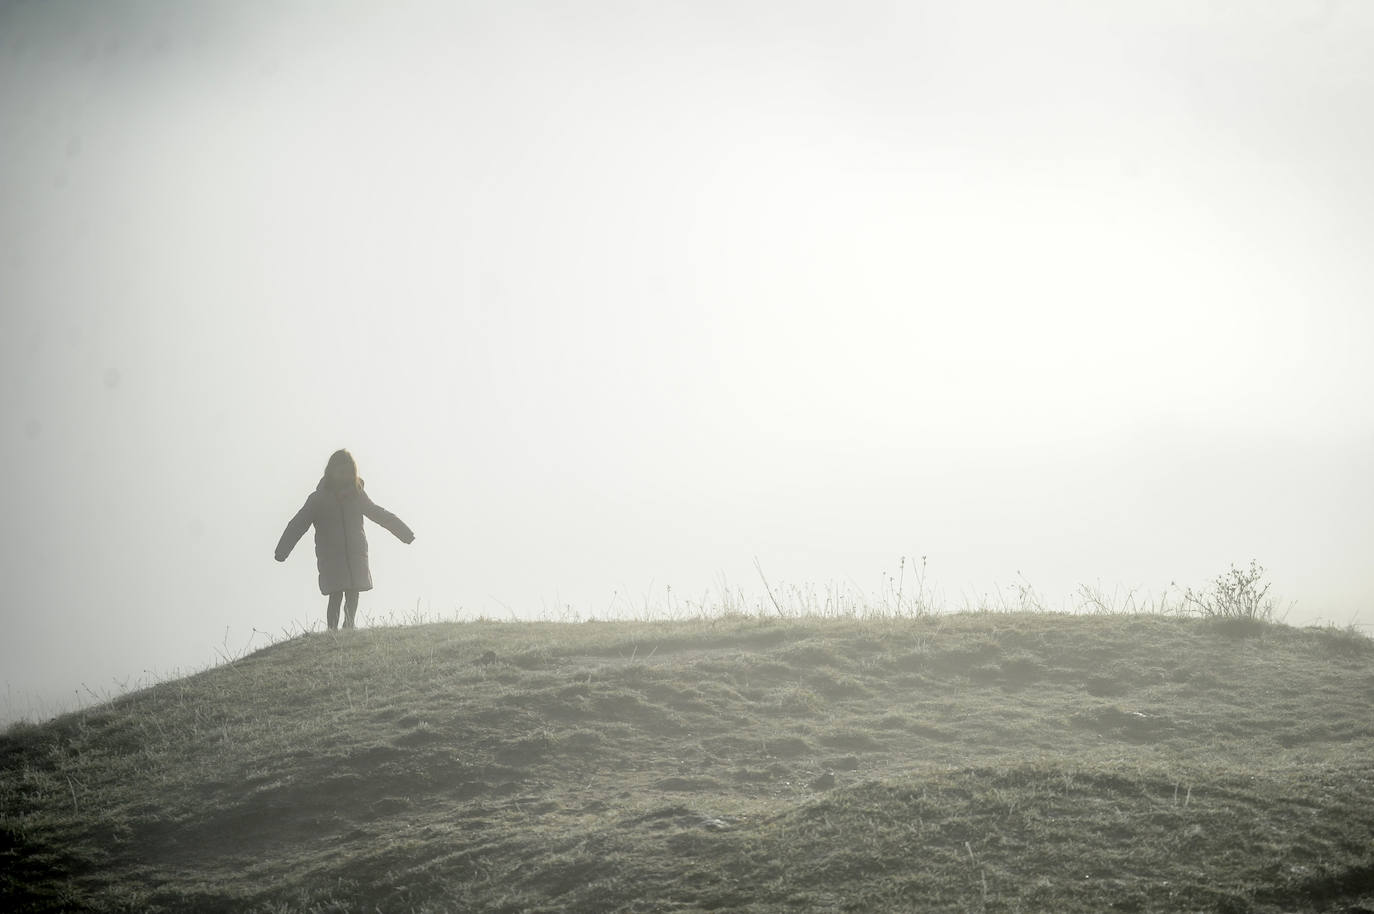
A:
[350,607]
[332,610]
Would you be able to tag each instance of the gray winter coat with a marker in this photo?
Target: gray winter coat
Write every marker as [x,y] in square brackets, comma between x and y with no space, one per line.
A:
[340,545]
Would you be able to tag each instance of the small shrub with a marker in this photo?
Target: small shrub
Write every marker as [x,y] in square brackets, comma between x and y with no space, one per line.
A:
[1241,593]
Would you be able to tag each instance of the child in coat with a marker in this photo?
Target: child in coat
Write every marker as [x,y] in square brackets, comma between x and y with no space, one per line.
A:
[336,509]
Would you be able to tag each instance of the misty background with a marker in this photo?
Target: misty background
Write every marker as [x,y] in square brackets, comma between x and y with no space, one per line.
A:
[610,299]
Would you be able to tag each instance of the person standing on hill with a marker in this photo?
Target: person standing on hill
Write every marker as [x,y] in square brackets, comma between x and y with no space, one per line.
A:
[336,509]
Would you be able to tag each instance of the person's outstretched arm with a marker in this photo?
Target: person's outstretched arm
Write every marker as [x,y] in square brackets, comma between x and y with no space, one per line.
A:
[295,529]
[388,520]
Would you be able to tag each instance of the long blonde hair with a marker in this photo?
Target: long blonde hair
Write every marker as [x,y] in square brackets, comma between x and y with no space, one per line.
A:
[341,458]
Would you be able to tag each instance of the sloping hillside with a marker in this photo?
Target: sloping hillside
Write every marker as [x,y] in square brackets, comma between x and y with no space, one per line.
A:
[983,762]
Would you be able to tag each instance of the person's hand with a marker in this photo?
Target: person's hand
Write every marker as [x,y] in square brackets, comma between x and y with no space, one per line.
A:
[411,540]
[279,557]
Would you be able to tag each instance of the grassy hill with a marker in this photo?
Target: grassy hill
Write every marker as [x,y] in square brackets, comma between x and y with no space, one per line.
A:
[977,762]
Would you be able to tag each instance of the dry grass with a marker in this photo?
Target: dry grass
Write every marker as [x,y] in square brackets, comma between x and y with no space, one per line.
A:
[977,762]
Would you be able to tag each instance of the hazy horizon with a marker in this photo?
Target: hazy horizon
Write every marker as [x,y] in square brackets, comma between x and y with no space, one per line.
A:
[612,299]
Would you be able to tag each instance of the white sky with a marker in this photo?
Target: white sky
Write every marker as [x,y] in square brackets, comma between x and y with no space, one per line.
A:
[608,298]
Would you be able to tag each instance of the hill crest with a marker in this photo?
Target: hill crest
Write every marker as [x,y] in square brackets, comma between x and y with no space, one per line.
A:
[980,761]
